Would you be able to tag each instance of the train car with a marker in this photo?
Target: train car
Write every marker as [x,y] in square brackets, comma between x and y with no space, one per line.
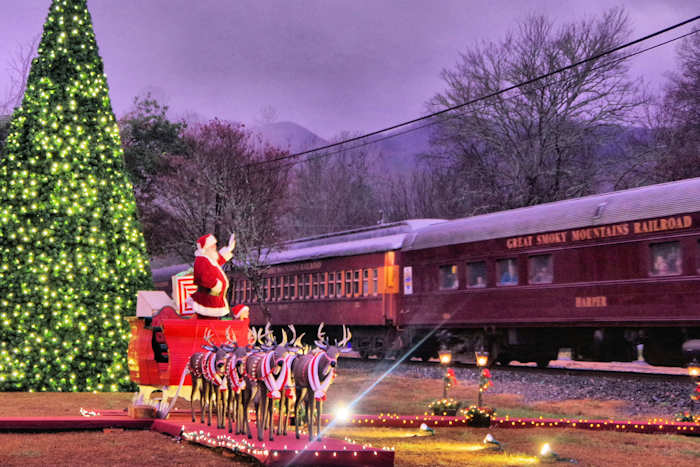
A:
[599,274]
[350,278]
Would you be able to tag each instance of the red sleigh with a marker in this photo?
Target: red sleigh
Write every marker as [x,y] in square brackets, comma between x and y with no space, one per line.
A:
[164,335]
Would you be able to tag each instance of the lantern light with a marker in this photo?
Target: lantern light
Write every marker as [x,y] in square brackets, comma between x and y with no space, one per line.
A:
[445,356]
[694,370]
[482,358]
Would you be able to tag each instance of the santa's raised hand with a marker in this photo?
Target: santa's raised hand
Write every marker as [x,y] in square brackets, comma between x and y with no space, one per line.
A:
[232,242]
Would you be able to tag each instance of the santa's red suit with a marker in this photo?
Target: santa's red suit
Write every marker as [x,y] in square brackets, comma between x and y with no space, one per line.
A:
[212,283]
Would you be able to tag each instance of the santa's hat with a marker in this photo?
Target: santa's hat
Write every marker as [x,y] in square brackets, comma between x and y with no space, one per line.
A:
[205,241]
[240,311]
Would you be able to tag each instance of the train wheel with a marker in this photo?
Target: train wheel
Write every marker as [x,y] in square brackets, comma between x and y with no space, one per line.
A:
[424,357]
[542,363]
[364,355]
[503,361]
[380,355]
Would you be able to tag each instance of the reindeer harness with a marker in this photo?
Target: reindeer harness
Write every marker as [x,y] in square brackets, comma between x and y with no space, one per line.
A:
[317,386]
[273,385]
[208,369]
[237,382]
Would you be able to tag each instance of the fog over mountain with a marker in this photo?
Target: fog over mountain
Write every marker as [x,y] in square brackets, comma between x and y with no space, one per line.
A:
[398,154]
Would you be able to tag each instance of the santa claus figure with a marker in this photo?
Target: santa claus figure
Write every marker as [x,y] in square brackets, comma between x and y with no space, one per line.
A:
[212,284]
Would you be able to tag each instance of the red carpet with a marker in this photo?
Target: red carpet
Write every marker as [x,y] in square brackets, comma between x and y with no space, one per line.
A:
[284,450]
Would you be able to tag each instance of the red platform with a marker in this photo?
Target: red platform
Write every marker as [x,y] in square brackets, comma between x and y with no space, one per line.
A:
[284,450]
[433,421]
[112,420]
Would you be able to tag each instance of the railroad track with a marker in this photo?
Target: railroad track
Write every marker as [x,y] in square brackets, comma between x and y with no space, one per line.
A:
[631,370]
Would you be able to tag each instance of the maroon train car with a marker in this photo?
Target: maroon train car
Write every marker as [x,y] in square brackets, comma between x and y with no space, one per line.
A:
[600,275]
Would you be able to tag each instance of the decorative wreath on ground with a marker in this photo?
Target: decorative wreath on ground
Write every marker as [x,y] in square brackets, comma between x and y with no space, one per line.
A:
[478,416]
[445,406]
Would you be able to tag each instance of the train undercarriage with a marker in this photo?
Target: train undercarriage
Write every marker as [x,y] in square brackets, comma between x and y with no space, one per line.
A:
[659,346]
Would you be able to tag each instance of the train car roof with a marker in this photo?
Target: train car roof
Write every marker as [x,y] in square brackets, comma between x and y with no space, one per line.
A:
[372,239]
[665,199]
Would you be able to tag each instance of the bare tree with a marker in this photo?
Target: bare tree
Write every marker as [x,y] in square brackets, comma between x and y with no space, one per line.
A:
[667,148]
[333,193]
[677,129]
[18,72]
[539,142]
[216,188]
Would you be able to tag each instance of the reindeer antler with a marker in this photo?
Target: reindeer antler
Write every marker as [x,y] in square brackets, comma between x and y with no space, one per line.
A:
[297,341]
[294,333]
[269,335]
[208,334]
[321,341]
[346,337]
[284,338]
[231,336]
[252,336]
[259,335]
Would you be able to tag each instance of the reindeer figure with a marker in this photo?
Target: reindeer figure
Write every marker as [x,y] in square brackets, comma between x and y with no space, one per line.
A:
[264,378]
[207,372]
[289,393]
[313,373]
[235,375]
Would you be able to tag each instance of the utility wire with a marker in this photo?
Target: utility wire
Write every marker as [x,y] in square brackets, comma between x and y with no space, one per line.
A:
[436,121]
[481,98]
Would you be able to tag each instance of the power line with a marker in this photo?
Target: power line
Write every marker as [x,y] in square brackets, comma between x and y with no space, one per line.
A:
[435,121]
[479,99]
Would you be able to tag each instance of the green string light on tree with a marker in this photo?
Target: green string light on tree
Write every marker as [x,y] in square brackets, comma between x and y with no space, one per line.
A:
[72,255]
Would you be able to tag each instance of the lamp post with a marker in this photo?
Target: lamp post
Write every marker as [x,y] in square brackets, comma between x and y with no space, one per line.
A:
[694,373]
[445,359]
[482,358]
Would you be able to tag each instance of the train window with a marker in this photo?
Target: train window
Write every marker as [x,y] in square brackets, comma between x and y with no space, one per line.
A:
[356,283]
[476,274]
[507,270]
[292,287]
[307,285]
[279,287]
[265,284]
[322,284]
[331,284]
[273,288]
[285,288]
[448,277]
[665,259]
[365,281]
[375,281]
[339,284]
[348,283]
[540,269]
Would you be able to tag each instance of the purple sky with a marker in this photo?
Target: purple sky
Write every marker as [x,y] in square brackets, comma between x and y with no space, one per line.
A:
[328,65]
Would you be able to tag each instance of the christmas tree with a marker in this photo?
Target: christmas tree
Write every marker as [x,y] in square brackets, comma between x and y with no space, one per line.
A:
[72,255]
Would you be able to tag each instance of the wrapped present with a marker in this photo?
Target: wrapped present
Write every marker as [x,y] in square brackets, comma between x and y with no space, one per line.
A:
[183,287]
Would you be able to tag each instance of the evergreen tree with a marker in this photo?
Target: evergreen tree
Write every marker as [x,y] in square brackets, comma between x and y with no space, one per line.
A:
[72,255]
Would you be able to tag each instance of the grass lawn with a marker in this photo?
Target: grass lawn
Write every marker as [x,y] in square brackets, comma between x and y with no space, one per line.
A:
[395,394]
